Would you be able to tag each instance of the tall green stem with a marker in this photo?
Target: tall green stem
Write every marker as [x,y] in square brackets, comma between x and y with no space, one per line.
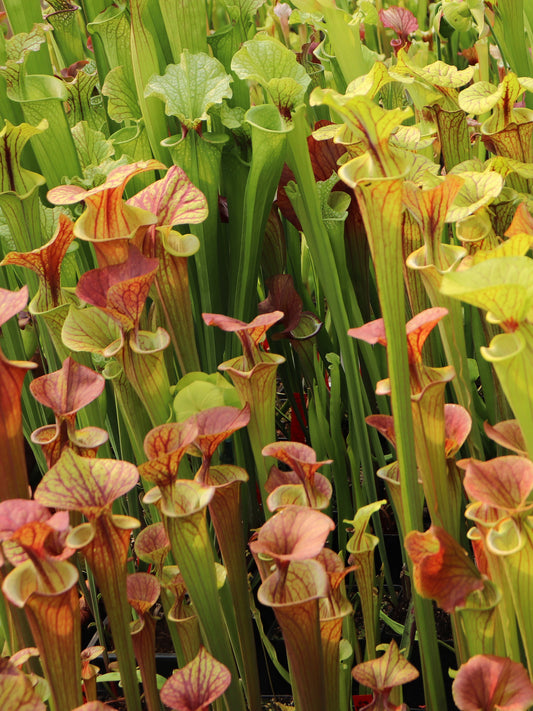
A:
[381,206]
[186,526]
[185,21]
[145,64]
[308,210]
[200,158]
[268,143]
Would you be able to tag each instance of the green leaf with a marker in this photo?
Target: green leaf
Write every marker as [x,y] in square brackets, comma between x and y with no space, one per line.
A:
[265,640]
[19,198]
[67,23]
[396,627]
[504,166]
[411,138]
[112,676]
[187,18]
[478,189]
[526,83]
[92,146]
[360,540]
[81,103]
[112,28]
[243,8]
[367,13]
[503,286]
[115,676]
[7,243]
[463,15]
[49,219]
[190,88]
[123,104]
[301,17]
[437,82]
[333,205]
[423,95]
[18,48]
[269,131]
[516,246]
[190,378]
[272,65]
[146,60]
[132,142]
[91,330]
[510,355]
[371,83]
[95,175]
[232,117]
[43,97]
[438,74]
[482,96]
[13,177]
[370,124]
[203,394]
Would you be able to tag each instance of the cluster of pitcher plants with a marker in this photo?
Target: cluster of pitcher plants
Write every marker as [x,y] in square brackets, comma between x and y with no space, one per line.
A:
[266,294]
